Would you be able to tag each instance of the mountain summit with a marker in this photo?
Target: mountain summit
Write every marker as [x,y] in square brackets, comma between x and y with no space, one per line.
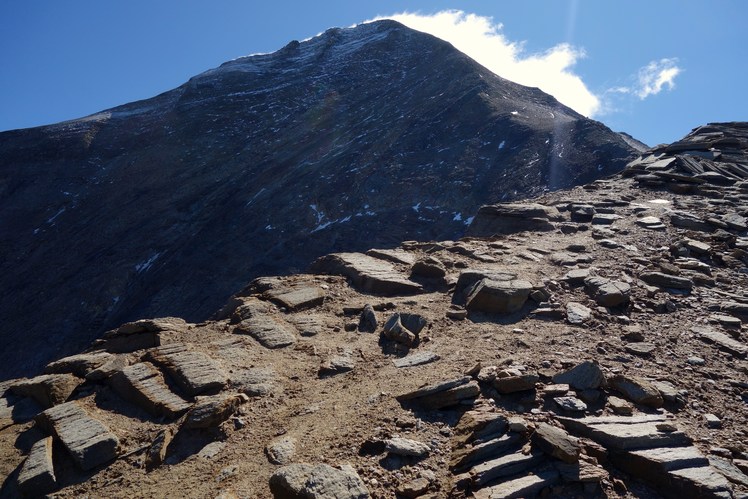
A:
[357,138]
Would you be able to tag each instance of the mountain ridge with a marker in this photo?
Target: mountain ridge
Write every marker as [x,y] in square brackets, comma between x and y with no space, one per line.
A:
[166,206]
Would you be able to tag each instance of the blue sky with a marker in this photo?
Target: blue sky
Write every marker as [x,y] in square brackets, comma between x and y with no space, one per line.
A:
[654,69]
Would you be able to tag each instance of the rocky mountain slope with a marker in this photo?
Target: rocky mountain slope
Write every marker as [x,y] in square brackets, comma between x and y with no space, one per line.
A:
[588,343]
[356,138]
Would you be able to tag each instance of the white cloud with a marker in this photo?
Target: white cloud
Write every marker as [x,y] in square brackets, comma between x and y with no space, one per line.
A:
[655,76]
[481,39]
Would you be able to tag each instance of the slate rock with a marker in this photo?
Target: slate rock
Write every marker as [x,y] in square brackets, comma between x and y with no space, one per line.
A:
[143,385]
[556,442]
[271,332]
[613,294]
[255,382]
[721,340]
[317,481]
[444,394]
[368,274]
[89,442]
[504,466]
[662,280]
[641,348]
[686,220]
[211,411]
[156,453]
[571,404]
[729,470]
[407,447]
[499,297]
[620,406]
[622,433]
[637,390]
[468,280]
[368,321]
[576,313]
[576,277]
[337,364]
[509,218]
[429,267]
[513,384]
[109,368]
[281,450]
[297,298]
[416,359]
[79,365]
[193,371]
[47,389]
[584,376]
[525,486]
[37,476]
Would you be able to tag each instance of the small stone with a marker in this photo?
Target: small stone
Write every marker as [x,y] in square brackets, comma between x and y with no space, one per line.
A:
[713,421]
[317,481]
[213,410]
[571,404]
[555,390]
[613,294]
[517,383]
[517,424]
[696,361]
[576,313]
[368,321]
[407,447]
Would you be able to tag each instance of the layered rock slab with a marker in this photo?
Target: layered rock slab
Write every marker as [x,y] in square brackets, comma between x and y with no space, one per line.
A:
[37,476]
[143,385]
[89,442]
[368,274]
[320,481]
[194,372]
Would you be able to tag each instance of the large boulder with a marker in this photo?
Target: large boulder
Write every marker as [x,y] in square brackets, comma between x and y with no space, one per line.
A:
[509,218]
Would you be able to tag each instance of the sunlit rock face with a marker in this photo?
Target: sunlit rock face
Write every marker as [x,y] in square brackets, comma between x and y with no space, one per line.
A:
[357,138]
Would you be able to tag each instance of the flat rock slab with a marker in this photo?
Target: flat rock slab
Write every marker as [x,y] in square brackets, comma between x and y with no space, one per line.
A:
[641,348]
[504,466]
[637,390]
[704,482]
[367,273]
[270,332]
[443,394]
[393,255]
[48,389]
[416,359]
[499,297]
[509,218]
[662,280]
[194,372]
[88,440]
[37,476]
[209,412]
[143,385]
[625,433]
[80,365]
[557,443]
[526,486]
[300,298]
[465,457]
[721,340]
[317,481]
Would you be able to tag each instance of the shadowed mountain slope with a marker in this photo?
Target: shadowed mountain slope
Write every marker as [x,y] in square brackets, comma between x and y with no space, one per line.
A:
[357,138]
